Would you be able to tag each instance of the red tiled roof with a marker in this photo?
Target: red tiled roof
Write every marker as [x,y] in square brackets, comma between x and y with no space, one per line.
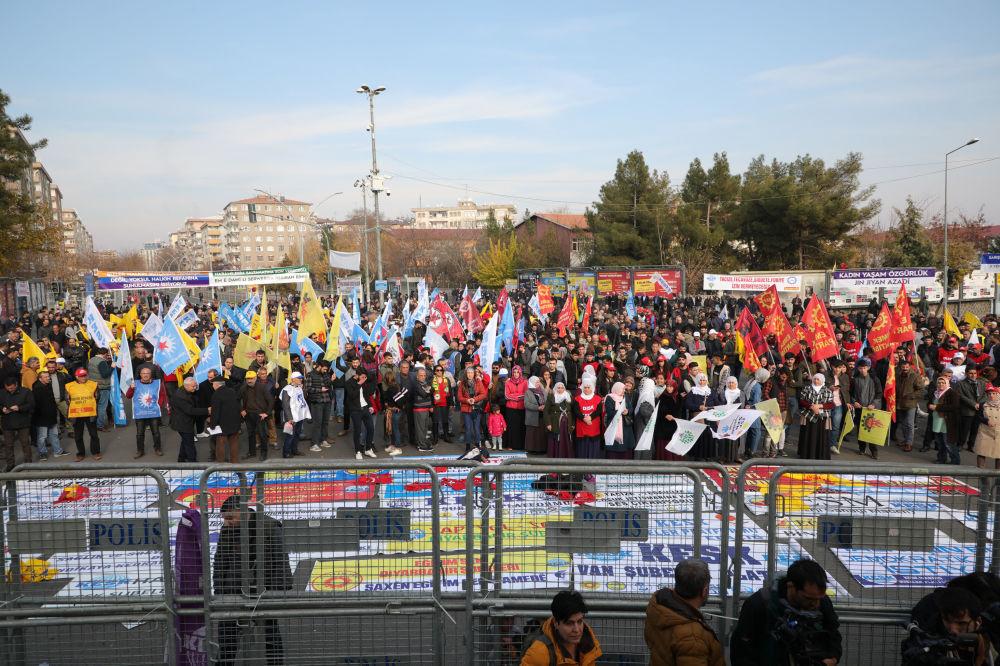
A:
[261,199]
[566,220]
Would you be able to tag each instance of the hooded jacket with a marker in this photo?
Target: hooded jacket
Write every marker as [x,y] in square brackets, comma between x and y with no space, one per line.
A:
[677,634]
[540,652]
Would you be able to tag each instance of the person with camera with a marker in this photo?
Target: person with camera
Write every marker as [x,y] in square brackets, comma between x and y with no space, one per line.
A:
[946,628]
[791,621]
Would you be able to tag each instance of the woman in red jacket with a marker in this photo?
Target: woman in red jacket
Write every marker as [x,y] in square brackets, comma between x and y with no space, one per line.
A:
[514,388]
[587,412]
[471,396]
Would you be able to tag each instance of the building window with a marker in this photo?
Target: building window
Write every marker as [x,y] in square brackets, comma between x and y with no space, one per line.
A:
[259,239]
[281,248]
[280,227]
[260,248]
[576,245]
[247,248]
[302,208]
[270,257]
[270,248]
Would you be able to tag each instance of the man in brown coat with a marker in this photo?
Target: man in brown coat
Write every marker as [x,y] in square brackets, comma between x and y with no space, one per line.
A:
[676,632]
[909,386]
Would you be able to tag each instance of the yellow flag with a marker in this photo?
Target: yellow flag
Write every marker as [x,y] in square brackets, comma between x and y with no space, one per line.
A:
[278,347]
[246,351]
[949,324]
[263,317]
[192,347]
[874,426]
[740,346]
[972,320]
[30,349]
[333,339]
[310,312]
[129,320]
[255,328]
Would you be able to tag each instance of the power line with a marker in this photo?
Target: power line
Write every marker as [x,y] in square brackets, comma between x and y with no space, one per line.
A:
[681,203]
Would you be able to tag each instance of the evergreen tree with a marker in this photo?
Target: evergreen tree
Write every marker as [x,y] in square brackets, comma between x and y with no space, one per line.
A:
[909,244]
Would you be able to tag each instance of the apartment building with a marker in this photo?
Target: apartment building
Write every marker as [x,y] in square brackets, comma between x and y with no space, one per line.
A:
[466,214]
[203,240]
[260,231]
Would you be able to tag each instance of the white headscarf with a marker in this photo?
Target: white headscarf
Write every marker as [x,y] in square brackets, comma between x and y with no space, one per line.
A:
[732,394]
[560,395]
[698,389]
[587,386]
[647,392]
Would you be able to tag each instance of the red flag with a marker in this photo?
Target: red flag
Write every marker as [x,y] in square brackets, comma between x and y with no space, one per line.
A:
[443,321]
[752,336]
[586,316]
[777,323]
[470,315]
[768,301]
[819,330]
[889,393]
[517,327]
[502,299]
[545,302]
[902,323]
[566,318]
[751,362]
[880,334]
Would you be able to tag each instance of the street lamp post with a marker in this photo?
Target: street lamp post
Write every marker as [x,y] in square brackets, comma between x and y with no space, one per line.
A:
[377,183]
[944,277]
[362,184]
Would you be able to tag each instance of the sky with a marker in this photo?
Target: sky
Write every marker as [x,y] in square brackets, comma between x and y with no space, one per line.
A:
[156,112]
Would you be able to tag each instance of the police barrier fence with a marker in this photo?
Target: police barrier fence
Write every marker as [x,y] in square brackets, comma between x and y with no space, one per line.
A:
[433,562]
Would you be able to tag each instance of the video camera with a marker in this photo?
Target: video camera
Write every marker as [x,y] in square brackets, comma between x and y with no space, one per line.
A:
[803,635]
[989,623]
[925,649]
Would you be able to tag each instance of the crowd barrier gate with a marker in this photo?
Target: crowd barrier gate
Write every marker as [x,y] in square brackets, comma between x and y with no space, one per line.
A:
[610,529]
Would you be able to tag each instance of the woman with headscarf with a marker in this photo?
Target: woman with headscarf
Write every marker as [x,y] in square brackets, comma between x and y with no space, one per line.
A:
[645,420]
[619,438]
[701,398]
[730,394]
[535,440]
[669,406]
[815,404]
[558,418]
[587,414]
[514,389]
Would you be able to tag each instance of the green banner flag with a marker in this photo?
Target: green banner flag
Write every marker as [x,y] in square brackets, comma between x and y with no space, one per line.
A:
[772,419]
[847,426]
[874,426]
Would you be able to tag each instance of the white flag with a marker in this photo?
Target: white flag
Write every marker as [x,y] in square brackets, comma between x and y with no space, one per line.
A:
[97,328]
[685,436]
[124,363]
[435,343]
[488,349]
[176,307]
[611,432]
[716,413]
[478,296]
[151,329]
[736,424]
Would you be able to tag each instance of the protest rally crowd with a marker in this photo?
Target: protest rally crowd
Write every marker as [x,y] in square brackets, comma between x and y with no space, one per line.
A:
[621,377]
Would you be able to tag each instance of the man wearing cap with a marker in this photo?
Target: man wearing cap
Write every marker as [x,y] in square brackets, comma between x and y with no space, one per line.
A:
[17,404]
[295,412]
[957,366]
[183,413]
[82,413]
[225,414]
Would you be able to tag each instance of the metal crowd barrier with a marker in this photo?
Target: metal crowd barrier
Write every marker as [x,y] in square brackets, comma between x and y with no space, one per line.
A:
[441,562]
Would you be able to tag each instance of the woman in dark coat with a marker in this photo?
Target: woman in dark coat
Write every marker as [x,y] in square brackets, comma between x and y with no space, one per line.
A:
[668,407]
[615,402]
[815,405]
[701,399]
[559,423]
[535,440]
[645,417]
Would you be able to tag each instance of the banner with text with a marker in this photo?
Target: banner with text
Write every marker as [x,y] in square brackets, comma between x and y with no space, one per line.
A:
[613,282]
[749,282]
[120,281]
[883,277]
[645,282]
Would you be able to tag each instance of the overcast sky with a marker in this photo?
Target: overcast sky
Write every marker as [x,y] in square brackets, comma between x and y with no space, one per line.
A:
[160,111]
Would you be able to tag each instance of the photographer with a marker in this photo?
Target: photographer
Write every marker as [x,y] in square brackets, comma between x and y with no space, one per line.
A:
[790,622]
[945,629]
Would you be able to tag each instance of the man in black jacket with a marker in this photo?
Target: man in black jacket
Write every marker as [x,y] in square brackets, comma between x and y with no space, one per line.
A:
[775,621]
[226,412]
[358,392]
[17,404]
[182,416]
[270,574]
[45,418]
[257,404]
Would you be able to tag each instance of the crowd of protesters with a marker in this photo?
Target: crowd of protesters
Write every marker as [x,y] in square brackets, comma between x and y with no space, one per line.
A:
[553,390]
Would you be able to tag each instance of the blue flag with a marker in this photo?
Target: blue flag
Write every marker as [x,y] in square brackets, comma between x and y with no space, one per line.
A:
[145,400]
[309,345]
[211,358]
[630,305]
[506,330]
[169,351]
[117,402]
[355,305]
[408,321]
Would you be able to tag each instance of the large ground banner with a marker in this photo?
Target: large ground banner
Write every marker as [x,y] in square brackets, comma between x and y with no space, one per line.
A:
[613,282]
[555,280]
[582,280]
[644,282]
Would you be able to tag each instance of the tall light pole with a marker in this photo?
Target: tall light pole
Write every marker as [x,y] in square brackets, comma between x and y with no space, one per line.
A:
[362,184]
[944,277]
[377,183]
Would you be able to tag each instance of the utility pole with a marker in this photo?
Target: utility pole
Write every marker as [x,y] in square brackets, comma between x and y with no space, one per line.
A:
[944,277]
[376,182]
[362,183]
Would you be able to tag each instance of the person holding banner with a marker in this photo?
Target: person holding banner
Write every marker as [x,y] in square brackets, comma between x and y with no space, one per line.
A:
[619,435]
[702,398]
[146,400]
[731,394]
[815,404]
[669,407]
[866,393]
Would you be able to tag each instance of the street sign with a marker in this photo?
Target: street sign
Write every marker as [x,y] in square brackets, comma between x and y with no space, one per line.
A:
[381,285]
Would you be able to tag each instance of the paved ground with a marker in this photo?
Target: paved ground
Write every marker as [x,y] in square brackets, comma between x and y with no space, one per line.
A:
[118,445]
